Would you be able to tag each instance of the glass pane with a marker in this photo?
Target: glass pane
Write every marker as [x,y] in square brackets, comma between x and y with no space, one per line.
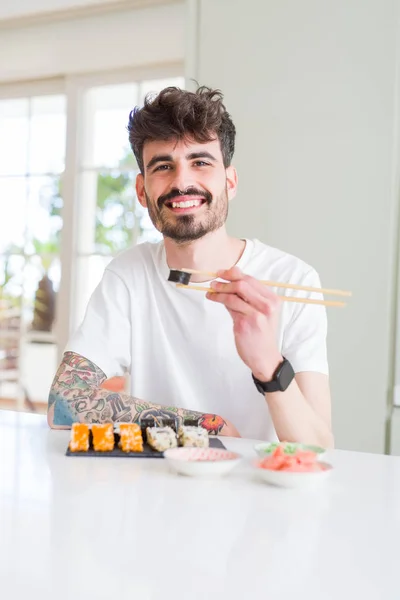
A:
[147,231]
[28,351]
[43,216]
[156,85]
[11,268]
[40,284]
[106,117]
[35,348]
[108,203]
[9,354]
[14,127]
[115,216]
[11,277]
[47,134]
[13,200]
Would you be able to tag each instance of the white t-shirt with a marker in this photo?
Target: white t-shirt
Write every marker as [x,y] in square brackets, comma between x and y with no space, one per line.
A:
[179,347]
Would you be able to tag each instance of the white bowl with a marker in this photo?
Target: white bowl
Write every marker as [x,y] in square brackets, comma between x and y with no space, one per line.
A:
[202,462]
[267,448]
[289,479]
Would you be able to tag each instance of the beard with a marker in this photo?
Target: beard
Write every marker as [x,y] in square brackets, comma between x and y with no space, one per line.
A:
[188,228]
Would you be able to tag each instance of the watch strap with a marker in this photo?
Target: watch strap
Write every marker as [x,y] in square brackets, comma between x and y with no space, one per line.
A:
[280,381]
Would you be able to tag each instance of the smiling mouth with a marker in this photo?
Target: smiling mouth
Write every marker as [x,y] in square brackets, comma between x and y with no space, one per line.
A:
[185,204]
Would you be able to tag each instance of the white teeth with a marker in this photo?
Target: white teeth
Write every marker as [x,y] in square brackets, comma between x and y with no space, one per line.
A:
[187,204]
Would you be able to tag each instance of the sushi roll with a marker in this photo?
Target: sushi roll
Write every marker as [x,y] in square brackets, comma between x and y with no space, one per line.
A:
[158,421]
[179,276]
[131,439]
[161,438]
[79,441]
[144,424]
[173,423]
[103,437]
[193,436]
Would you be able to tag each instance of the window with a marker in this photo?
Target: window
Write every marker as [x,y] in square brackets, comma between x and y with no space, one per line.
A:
[32,157]
[68,206]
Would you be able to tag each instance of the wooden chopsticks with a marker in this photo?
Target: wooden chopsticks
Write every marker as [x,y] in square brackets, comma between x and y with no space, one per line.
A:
[284,298]
[278,284]
[290,286]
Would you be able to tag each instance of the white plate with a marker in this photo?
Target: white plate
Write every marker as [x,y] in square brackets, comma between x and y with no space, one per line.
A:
[202,462]
[289,479]
[266,448]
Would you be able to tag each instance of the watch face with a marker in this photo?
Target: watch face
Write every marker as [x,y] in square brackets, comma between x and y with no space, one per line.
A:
[285,375]
[282,379]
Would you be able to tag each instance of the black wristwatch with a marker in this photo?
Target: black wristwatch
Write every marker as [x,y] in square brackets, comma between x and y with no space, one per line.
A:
[281,380]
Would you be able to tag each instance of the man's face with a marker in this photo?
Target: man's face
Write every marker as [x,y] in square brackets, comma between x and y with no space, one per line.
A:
[185,187]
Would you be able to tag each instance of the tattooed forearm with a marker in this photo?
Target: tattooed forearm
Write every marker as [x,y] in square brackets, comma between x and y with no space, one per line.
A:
[77,396]
[74,375]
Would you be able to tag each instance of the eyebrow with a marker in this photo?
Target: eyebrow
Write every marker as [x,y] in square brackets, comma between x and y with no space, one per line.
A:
[168,158]
[202,154]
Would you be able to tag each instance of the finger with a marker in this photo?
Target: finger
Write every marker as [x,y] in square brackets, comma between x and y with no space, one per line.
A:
[232,274]
[235,274]
[247,292]
[232,302]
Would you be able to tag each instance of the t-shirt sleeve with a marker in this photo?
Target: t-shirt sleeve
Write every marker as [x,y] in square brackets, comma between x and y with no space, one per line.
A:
[305,336]
[104,335]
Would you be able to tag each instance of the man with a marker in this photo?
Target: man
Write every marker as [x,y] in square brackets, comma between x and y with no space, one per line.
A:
[238,359]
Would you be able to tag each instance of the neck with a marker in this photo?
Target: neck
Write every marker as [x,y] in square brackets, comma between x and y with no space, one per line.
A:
[212,252]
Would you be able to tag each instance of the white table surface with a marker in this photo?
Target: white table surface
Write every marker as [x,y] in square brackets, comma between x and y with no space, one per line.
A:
[88,528]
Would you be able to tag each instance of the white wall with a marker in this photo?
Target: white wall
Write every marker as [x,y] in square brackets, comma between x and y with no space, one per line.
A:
[19,8]
[311,89]
[133,38]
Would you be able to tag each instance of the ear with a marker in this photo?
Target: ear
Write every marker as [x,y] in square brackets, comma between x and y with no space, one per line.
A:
[231,181]
[140,190]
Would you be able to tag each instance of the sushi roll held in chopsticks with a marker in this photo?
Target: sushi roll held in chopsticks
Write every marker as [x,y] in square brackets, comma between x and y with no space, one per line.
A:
[181,277]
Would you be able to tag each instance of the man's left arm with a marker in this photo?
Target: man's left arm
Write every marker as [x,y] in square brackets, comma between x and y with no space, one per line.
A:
[301,413]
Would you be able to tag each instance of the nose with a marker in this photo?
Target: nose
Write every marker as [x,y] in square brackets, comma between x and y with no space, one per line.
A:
[183,178]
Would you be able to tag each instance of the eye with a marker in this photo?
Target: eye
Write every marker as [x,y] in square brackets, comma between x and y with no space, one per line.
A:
[200,163]
[162,168]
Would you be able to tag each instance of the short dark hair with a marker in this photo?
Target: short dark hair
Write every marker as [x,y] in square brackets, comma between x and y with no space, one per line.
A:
[177,114]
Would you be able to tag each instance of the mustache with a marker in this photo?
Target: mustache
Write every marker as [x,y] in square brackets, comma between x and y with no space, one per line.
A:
[175,193]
